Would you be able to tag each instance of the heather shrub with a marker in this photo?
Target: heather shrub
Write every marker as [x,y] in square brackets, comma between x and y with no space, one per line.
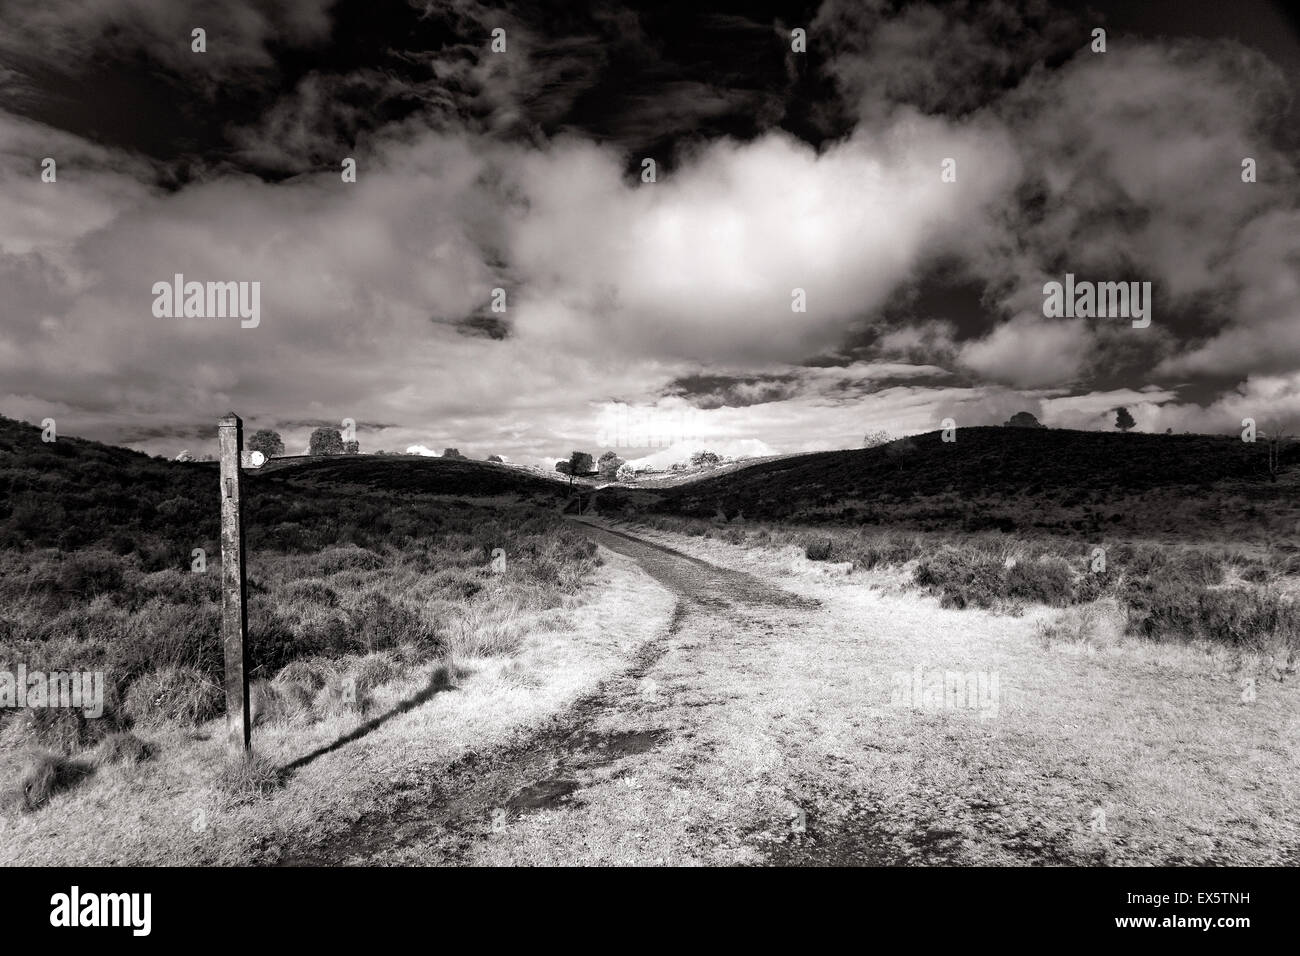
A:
[961,577]
[181,694]
[1045,580]
[819,550]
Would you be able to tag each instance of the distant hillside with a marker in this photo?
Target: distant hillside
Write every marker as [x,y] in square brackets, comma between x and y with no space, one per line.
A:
[997,477]
[438,476]
[681,452]
[669,479]
[73,494]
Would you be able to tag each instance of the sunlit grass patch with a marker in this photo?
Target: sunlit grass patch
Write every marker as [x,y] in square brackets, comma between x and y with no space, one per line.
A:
[247,777]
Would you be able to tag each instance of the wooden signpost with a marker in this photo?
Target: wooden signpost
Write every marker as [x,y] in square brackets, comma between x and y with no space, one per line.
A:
[234,589]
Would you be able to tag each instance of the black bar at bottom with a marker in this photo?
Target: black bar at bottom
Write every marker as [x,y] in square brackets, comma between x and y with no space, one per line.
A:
[932,908]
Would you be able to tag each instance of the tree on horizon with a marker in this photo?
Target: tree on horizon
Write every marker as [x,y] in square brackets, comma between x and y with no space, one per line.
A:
[267,442]
[1023,420]
[325,441]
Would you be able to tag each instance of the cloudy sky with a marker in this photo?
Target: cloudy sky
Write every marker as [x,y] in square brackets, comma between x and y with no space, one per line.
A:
[665,305]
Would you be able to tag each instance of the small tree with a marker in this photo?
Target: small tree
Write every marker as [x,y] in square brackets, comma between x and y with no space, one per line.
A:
[325,441]
[351,447]
[625,472]
[267,442]
[608,465]
[1123,420]
[706,459]
[1023,420]
[876,439]
[452,453]
[579,463]
[497,458]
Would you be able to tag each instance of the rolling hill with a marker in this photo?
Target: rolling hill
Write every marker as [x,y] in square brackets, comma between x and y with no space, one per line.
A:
[1007,479]
[990,478]
[438,476]
[74,493]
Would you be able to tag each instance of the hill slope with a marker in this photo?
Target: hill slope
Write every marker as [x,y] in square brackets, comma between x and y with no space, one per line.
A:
[438,476]
[1007,478]
[73,493]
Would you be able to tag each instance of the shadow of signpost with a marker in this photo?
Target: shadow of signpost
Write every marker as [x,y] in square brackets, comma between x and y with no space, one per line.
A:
[440,680]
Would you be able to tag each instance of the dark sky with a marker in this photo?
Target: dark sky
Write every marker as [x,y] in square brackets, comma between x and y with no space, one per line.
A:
[132,101]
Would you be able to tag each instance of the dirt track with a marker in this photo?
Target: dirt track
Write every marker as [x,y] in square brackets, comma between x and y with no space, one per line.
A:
[695,582]
[762,727]
[446,820]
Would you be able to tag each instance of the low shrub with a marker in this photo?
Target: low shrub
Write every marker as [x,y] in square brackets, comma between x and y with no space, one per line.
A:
[182,694]
[86,573]
[339,696]
[819,550]
[308,673]
[373,671]
[1045,580]
[961,577]
[270,703]
[378,623]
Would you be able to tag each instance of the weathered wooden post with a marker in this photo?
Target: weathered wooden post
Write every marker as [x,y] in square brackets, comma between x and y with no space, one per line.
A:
[234,591]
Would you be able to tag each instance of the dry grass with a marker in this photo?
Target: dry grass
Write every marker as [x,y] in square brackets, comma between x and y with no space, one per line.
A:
[1240,596]
[249,777]
[177,810]
[123,747]
[181,694]
[1099,624]
[486,629]
[319,588]
[44,775]
[1101,750]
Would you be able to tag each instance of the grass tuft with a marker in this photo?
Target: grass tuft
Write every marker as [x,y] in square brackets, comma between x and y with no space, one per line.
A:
[1095,625]
[248,777]
[182,694]
[123,747]
[45,774]
[486,629]
[819,550]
